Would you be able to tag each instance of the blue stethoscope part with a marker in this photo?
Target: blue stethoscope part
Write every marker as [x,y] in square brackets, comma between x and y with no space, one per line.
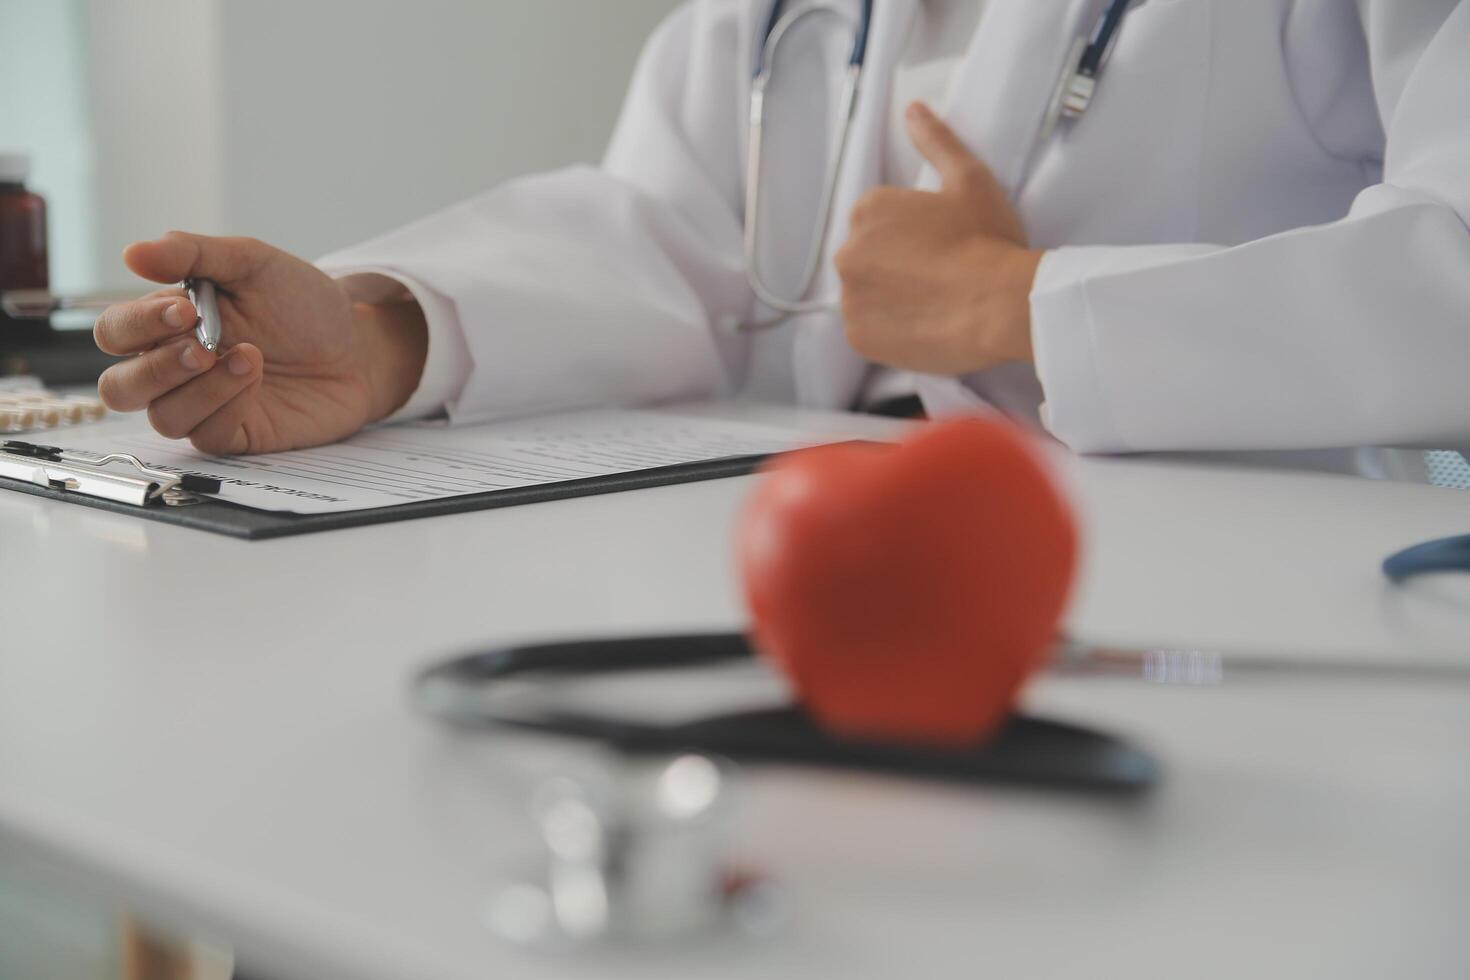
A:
[859,43]
[1073,94]
[1444,555]
[1102,38]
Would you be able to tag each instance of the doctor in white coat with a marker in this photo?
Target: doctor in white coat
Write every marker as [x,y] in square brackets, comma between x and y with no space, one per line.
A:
[1254,239]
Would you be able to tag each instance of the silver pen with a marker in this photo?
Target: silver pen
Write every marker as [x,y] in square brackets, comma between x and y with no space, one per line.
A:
[206,323]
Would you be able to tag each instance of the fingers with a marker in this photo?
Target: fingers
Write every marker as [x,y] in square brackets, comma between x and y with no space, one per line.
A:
[223,433]
[957,166]
[130,328]
[180,255]
[881,203]
[185,409]
[138,381]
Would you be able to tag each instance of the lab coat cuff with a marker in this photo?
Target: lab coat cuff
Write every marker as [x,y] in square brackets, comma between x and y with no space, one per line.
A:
[447,363]
[1064,345]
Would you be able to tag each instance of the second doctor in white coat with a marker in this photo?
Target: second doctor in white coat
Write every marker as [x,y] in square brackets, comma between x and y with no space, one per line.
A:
[1255,239]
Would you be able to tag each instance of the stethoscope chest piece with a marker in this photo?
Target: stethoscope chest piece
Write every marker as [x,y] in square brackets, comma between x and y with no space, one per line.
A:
[638,849]
[638,855]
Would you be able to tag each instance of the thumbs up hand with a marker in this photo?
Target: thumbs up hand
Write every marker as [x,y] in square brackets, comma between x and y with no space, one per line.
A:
[938,281]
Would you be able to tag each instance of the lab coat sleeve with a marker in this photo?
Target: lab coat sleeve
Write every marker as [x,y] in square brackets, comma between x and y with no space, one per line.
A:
[1354,333]
[594,286]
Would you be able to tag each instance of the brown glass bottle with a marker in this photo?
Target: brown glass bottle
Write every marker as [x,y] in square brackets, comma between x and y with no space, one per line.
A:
[23,258]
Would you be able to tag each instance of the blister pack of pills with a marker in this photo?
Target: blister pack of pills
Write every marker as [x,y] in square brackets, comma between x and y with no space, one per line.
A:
[25,406]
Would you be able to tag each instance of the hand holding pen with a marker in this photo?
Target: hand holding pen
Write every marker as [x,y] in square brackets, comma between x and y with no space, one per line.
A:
[257,351]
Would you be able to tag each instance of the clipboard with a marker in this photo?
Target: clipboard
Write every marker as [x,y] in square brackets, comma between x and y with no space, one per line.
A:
[123,484]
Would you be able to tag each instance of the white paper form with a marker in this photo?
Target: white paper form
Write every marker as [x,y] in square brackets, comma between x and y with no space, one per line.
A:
[406,463]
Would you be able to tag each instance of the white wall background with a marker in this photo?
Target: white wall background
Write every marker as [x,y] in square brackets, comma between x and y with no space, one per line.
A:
[44,109]
[308,123]
[413,105]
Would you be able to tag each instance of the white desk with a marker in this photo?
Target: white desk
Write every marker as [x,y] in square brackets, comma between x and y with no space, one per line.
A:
[218,731]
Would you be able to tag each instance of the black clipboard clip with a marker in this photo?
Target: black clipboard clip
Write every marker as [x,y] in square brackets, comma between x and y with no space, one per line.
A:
[92,475]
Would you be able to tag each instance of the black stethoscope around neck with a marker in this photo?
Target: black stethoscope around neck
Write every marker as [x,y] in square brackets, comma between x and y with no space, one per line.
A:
[1070,99]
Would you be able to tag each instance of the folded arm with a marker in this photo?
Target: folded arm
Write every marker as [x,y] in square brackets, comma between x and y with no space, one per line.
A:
[1348,334]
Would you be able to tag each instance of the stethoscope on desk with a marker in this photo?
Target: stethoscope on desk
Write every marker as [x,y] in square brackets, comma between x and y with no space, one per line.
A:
[507,688]
[1070,100]
[1443,555]
[637,846]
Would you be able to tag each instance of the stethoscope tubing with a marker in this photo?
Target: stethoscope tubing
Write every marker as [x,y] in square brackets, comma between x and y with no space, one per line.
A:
[836,154]
[470,693]
[1070,99]
[774,28]
[1103,37]
[460,693]
[1444,555]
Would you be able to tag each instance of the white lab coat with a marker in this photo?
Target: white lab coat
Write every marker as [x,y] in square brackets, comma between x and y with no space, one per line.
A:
[1257,234]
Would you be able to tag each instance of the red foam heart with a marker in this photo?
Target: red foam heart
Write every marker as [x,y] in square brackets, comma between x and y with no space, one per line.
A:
[908,591]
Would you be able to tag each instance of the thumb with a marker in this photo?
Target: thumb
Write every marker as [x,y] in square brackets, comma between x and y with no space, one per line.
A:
[179,255]
[958,168]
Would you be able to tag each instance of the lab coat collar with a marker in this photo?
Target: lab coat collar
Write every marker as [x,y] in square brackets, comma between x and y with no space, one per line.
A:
[1000,92]
[996,104]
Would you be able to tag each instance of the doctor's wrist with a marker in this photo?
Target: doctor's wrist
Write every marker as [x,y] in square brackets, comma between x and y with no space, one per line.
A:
[1003,313]
[393,346]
